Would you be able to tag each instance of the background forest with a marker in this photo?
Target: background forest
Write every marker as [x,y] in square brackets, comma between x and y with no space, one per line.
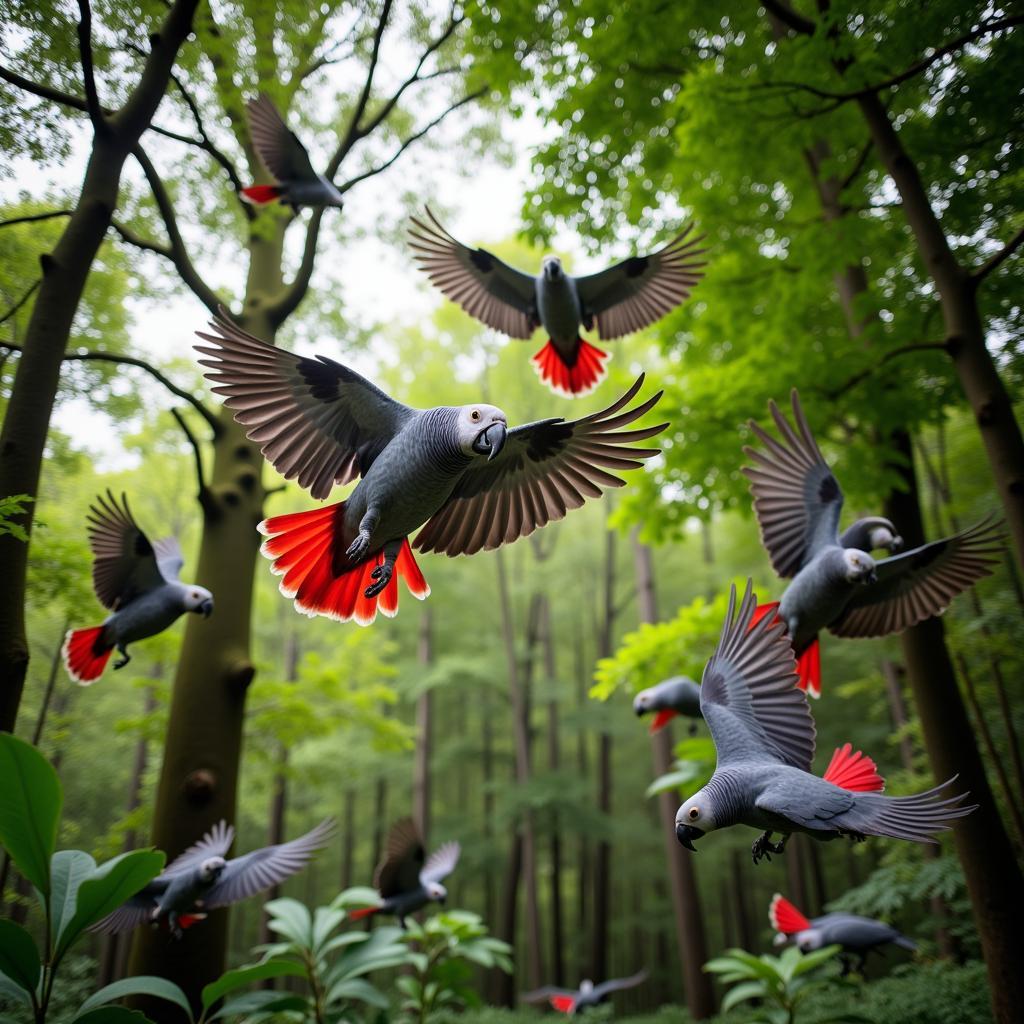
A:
[857,170]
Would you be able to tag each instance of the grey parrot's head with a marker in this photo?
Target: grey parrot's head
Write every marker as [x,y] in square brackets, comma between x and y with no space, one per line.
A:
[860,566]
[695,819]
[586,985]
[809,940]
[481,430]
[436,891]
[883,535]
[210,869]
[661,697]
[199,600]
[551,267]
[781,938]
[646,700]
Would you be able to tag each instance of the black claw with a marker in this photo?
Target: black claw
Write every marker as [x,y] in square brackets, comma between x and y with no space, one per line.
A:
[121,662]
[382,574]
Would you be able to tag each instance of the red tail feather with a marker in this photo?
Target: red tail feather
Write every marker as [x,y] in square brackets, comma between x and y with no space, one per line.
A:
[261,194]
[853,771]
[356,915]
[301,545]
[85,654]
[583,376]
[187,920]
[808,664]
[785,917]
[661,719]
[563,1004]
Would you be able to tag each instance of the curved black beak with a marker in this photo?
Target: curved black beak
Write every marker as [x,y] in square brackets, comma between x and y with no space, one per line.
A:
[896,544]
[206,608]
[872,577]
[686,834]
[639,709]
[491,440]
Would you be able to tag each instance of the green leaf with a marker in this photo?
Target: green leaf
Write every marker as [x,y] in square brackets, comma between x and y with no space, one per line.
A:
[19,958]
[113,1015]
[68,869]
[231,980]
[107,887]
[748,990]
[11,990]
[291,919]
[143,984]
[261,1002]
[30,802]
[809,961]
[360,989]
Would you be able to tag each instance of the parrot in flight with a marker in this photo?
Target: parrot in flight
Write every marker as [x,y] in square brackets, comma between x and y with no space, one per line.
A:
[764,734]
[296,183]
[618,301]
[857,935]
[459,472]
[202,879]
[573,1001]
[678,695]
[798,501]
[406,878]
[138,581]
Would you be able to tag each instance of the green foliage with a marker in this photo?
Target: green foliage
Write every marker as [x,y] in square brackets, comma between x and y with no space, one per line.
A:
[694,765]
[11,506]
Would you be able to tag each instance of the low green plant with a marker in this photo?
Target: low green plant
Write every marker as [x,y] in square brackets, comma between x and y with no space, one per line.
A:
[443,951]
[781,984]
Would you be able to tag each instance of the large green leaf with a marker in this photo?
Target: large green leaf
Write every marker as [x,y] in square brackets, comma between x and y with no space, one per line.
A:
[291,919]
[19,958]
[740,993]
[261,1001]
[11,991]
[113,1015]
[107,887]
[143,984]
[231,980]
[68,869]
[30,802]
[359,989]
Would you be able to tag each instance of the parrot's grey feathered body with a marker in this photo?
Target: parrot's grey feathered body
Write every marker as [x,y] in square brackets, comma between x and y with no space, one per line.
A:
[202,879]
[573,1001]
[138,581]
[618,301]
[764,737]
[678,695]
[406,878]
[837,585]
[460,473]
[857,935]
[296,183]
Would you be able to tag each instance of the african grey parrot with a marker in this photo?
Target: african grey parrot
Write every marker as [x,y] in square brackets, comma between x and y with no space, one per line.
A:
[798,502]
[857,935]
[296,183]
[138,581]
[763,732]
[678,695]
[620,300]
[202,879]
[474,483]
[406,878]
[573,1001]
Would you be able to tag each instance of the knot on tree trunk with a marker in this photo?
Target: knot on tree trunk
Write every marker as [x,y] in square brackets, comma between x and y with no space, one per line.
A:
[240,675]
[199,786]
[248,480]
[985,414]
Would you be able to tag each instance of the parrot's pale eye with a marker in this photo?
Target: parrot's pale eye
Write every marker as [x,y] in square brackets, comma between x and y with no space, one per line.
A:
[475,415]
[694,813]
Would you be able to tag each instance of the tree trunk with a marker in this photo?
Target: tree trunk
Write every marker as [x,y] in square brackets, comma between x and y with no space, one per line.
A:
[348,841]
[65,272]
[686,908]
[424,737]
[744,928]
[487,767]
[583,873]
[380,823]
[795,875]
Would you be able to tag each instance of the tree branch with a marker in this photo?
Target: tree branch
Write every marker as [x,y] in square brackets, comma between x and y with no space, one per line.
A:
[177,252]
[29,292]
[789,17]
[31,218]
[45,92]
[202,492]
[858,166]
[132,238]
[994,261]
[92,99]
[115,357]
[894,353]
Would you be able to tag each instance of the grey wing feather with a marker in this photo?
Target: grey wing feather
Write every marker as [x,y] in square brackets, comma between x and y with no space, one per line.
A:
[495,293]
[404,856]
[797,500]
[637,292]
[214,843]
[748,693]
[618,984]
[539,995]
[252,873]
[916,818]
[169,558]
[277,145]
[545,469]
[124,563]
[921,583]
[316,421]
[441,863]
[133,912]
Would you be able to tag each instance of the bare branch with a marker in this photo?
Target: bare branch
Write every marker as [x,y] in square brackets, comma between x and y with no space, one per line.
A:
[28,293]
[31,218]
[894,353]
[130,236]
[994,261]
[295,292]
[202,492]
[789,17]
[858,166]
[45,92]
[92,99]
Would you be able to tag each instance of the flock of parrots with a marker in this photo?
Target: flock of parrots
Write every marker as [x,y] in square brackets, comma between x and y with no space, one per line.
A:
[468,481]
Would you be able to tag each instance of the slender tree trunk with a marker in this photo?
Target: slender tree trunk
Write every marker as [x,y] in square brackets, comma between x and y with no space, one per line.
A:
[584,860]
[795,875]
[424,736]
[348,841]
[487,767]
[686,908]
[744,929]
[65,271]
[380,822]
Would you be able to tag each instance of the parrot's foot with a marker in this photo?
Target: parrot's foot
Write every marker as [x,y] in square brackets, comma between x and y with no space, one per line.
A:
[173,927]
[854,837]
[763,847]
[358,548]
[694,729]
[123,660]
[382,575]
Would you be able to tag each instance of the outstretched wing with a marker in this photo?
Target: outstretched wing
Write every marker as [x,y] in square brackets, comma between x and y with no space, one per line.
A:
[215,843]
[404,856]
[547,993]
[544,469]
[169,558]
[493,292]
[245,876]
[441,863]
[797,500]
[315,420]
[124,563]
[637,292]
[617,984]
[277,145]
[133,912]
[748,693]
[918,584]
